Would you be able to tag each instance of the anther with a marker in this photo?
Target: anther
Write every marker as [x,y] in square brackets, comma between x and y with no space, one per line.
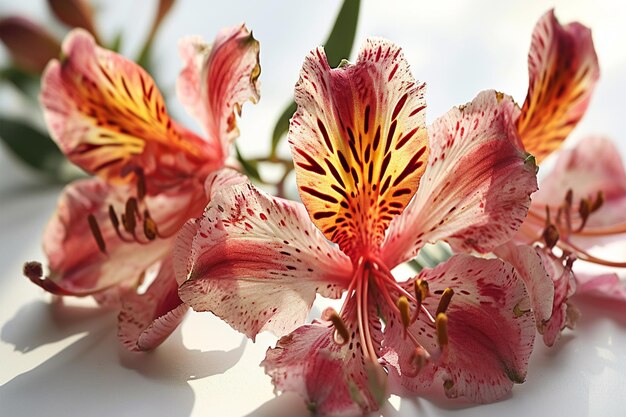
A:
[584,210]
[113,216]
[97,234]
[598,202]
[149,226]
[421,290]
[340,327]
[405,314]
[441,324]
[550,236]
[444,301]
[128,219]
[569,198]
[141,184]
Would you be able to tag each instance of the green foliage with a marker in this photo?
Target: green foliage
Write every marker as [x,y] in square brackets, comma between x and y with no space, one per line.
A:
[32,147]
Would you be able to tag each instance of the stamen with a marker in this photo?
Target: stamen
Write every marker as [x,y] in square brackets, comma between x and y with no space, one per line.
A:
[340,327]
[149,226]
[598,202]
[444,302]
[442,330]
[128,218]
[405,314]
[141,184]
[584,210]
[421,290]
[550,236]
[97,234]
[569,198]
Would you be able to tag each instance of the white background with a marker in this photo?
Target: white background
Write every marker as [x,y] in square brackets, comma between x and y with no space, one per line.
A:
[59,360]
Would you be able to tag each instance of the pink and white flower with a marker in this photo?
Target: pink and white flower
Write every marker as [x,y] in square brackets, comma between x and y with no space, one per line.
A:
[107,115]
[360,149]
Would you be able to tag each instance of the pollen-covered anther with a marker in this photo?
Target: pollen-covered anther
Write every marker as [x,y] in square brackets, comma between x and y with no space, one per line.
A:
[341,335]
[421,290]
[97,234]
[405,314]
[441,324]
[444,301]
[149,227]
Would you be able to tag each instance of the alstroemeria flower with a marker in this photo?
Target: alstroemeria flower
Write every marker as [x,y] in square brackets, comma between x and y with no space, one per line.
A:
[583,201]
[360,149]
[109,118]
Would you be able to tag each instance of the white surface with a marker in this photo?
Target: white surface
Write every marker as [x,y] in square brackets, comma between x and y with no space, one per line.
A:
[60,360]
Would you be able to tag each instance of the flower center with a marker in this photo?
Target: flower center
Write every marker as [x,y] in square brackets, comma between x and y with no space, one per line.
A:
[129,220]
[371,274]
[571,221]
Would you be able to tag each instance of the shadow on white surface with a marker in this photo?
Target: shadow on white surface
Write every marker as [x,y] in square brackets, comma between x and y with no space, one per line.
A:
[95,376]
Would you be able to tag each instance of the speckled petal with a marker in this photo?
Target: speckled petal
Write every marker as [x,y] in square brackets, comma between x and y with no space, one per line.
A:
[359,143]
[332,378]
[147,319]
[217,80]
[530,265]
[489,338]
[594,165]
[78,266]
[563,71]
[257,262]
[476,190]
[106,114]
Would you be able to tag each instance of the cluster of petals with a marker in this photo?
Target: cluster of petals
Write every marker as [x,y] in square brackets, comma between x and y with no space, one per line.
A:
[376,186]
[106,114]
[581,203]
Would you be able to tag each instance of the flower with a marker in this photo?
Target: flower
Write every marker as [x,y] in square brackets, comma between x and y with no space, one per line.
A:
[109,118]
[360,149]
[583,200]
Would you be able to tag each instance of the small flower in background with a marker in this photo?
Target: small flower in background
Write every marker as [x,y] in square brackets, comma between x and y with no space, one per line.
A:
[582,202]
[108,117]
[360,148]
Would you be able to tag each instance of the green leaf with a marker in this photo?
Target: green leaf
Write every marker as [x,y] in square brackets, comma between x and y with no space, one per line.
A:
[338,46]
[32,147]
[23,81]
[250,168]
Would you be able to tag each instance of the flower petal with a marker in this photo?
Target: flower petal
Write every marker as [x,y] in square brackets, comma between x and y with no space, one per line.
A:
[78,265]
[256,262]
[489,339]
[476,189]
[603,285]
[563,313]
[146,320]
[593,165]
[359,142]
[529,263]
[108,117]
[334,379]
[563,70]
[217,80]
